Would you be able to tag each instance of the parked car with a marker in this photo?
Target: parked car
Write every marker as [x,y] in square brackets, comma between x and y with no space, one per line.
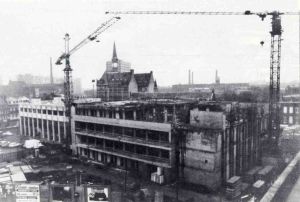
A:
[14,144]
[4,143]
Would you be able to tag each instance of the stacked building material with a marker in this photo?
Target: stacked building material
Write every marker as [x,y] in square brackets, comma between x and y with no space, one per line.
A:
[266,174]
[251,176]
[259,188]
[157,178]
[233,187]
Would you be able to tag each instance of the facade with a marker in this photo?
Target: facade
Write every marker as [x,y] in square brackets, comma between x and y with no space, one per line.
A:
[118,82]
[115,86]
[215,140]
[9,113]
[44,120]
[290,113]
[218,87]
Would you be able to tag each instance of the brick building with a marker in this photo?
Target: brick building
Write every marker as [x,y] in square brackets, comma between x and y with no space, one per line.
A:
[290,112]
[118,82]
[9,113]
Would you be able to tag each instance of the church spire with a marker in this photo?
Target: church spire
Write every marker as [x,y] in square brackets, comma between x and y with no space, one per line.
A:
[115,57]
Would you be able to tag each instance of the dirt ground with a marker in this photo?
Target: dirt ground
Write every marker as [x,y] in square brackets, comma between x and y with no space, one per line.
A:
[61,168]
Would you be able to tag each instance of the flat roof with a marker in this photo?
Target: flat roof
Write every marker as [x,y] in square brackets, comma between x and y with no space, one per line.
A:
[131,103]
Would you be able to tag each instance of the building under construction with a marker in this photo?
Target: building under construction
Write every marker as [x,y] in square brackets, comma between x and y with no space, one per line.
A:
[200,143]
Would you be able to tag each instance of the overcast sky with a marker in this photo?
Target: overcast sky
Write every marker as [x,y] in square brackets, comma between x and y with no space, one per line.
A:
[33,31]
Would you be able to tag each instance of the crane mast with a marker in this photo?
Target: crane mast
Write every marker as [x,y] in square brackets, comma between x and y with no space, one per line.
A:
[274,91]
[68,84]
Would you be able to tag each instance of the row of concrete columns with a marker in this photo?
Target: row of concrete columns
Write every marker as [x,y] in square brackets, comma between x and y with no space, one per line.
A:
[32,128]
[123,147]
[95,155]
[117,114]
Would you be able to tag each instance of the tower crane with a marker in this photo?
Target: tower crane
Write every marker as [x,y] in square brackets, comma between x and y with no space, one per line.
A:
[68,86]
[276,32]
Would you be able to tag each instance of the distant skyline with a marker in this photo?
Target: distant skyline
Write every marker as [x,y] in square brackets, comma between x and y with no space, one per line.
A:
[32,31]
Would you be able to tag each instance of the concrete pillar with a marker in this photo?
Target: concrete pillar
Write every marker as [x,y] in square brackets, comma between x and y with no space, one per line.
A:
[33,128]
[106,113]
[108,158]
[65,130]
[117,115]
[123,112]
[134,114]
[24,124]
[53,131]
[37,124]
[98,113]
[99,156]
[58,130]
[43,133]
[118,161]
[21,126]
[48,132]
[159,170]
[28,125]
[146,131]
[174,112]
[165,115]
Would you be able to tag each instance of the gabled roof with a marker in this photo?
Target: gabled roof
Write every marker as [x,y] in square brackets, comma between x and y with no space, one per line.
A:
[143,80]
[116,78]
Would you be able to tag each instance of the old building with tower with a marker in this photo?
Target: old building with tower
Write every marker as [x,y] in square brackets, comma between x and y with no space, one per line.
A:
[119,81]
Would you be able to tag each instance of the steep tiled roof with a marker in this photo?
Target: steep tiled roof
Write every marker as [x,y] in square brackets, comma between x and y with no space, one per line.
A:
[143,80]
[116,78]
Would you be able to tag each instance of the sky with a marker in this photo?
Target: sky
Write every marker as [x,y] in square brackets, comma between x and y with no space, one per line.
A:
[32,31]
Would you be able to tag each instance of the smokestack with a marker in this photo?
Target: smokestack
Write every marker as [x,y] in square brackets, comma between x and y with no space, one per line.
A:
[189,77]
[192,77]
[51,73]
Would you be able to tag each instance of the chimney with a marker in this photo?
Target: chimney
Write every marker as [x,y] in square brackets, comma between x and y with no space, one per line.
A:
[51,72]
[192,77]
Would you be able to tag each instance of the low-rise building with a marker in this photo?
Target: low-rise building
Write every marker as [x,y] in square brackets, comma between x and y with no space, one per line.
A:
[205,143]
[290,112]
[9,113]
[44,120]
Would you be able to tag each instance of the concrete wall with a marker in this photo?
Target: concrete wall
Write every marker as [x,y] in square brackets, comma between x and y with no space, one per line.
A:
[204,119]
[202,158]
[209,179]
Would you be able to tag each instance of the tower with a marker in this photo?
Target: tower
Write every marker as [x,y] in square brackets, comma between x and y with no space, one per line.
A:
[51,72]
[114,57]
[217,78]
[117,65]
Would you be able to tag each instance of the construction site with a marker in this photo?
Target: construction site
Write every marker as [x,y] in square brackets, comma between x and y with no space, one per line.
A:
[131,142]
[202,143]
